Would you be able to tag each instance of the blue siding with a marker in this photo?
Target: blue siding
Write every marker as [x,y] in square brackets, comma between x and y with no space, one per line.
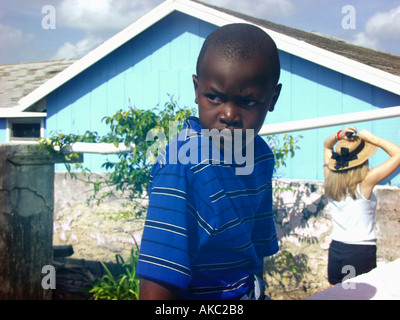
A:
[161,60]
[310,91]
[141,73]
[3,129]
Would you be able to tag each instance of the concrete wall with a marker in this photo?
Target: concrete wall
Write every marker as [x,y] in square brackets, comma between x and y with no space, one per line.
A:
[26,219]
[92,230]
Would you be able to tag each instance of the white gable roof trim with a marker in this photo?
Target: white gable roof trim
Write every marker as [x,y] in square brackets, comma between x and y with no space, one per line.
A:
[13,113]
[365,73]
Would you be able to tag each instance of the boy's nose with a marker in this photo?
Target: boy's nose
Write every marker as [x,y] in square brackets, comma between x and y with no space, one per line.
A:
[230,115]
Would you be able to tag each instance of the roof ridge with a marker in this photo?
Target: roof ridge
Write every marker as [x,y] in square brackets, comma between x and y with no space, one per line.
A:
[41,61]
[355,52]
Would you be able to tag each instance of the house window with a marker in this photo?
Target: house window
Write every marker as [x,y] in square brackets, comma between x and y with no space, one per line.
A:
[21,129]
[25,130]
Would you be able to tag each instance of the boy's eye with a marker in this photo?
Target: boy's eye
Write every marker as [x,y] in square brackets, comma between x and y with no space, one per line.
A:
[249,102]
[213,98]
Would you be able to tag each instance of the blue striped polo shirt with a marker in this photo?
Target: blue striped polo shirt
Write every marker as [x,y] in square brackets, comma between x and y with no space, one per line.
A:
[207,228]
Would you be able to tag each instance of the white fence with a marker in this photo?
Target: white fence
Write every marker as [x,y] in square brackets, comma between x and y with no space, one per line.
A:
[315,123]
[282,127]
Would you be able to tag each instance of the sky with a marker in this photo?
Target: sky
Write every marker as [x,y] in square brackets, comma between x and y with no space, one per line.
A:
[37,30]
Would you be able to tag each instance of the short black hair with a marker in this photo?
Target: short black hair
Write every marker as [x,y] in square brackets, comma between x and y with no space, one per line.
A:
[240,41]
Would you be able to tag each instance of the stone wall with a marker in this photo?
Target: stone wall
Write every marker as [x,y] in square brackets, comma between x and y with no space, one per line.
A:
[303,227]
[92,230]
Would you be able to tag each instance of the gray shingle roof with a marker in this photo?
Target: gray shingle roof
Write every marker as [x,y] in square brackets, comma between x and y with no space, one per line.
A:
[19,79]
[376,59]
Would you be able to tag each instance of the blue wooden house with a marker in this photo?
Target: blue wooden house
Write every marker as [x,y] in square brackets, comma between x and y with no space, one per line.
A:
[156,56]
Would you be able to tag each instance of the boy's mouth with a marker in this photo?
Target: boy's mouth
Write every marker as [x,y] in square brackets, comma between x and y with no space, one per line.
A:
[230,134]
[227,134]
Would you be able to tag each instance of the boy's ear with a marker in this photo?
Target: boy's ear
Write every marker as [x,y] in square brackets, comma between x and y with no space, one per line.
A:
[196,86]
[275,97]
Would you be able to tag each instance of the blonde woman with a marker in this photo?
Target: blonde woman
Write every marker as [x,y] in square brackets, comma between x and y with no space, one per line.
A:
[349,183]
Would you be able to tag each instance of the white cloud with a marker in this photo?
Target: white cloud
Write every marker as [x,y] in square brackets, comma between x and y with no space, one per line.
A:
[10,36]
[380,25]
[386,24]
[69,50]
[102,17]
[99,19]
[365,40]
[12,42]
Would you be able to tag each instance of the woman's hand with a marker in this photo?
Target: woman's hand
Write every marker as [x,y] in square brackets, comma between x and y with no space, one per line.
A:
[368,136]
[347,133]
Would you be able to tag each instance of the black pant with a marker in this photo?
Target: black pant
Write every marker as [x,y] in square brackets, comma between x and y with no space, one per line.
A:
[349,260]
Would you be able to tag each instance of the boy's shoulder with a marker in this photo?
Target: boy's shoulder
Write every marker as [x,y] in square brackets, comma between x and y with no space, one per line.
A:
[176,148]
[191,150]
[262,145]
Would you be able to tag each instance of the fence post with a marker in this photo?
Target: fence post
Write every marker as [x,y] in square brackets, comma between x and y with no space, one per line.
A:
[26,220]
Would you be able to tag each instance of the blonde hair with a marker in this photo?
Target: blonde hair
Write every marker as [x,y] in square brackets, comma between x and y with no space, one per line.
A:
[339,184]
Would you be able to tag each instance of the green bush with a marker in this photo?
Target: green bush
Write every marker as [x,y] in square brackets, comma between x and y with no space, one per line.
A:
[122,285]
[130,174]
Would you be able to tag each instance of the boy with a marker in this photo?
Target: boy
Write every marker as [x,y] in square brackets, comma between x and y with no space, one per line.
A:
[207,227]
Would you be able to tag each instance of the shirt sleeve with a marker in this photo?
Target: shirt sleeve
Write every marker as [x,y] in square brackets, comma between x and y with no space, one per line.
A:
[164,251]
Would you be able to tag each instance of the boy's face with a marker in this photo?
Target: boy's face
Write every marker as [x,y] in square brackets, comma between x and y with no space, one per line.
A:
[234,95]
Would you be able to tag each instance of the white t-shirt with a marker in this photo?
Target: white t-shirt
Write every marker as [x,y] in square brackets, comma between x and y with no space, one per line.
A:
[354,220]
